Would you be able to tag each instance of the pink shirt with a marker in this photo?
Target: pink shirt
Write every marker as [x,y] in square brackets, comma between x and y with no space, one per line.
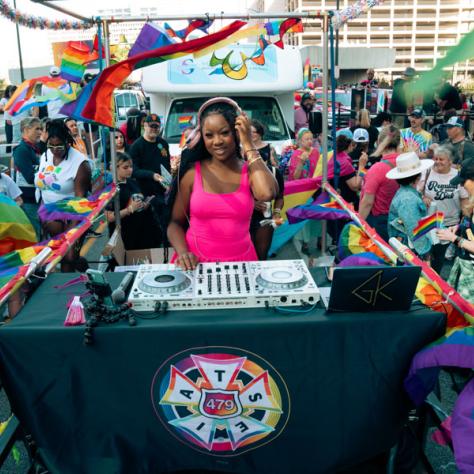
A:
[308,167]
[301,119]
[380,186]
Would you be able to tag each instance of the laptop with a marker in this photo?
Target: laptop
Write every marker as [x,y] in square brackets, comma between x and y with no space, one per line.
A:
[373,288]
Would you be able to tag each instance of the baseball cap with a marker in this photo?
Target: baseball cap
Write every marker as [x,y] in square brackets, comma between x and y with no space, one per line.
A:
[306,96]
[153,118]
[54,71]
[466,172]
[409,72]
[361,135]
[346,132]
[455,122]
[418,113]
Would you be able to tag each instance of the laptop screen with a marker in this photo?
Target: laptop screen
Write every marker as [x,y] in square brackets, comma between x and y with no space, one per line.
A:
[373,288]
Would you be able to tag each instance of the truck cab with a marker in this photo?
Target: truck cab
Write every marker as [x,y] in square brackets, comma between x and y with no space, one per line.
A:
[177,88]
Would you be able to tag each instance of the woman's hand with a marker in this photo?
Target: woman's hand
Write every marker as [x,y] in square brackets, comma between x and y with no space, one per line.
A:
[260,206]
[304,156]
[363,160]
[427,201]
[137,206]
[187,261]
[242,125]
[446,234]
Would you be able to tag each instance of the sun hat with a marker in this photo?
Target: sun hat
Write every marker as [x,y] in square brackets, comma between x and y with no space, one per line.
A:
[361,135]
[54,71]
[466,172]
[409,164]
[455,122]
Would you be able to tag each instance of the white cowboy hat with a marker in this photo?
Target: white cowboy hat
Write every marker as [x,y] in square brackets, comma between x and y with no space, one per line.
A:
[408,164]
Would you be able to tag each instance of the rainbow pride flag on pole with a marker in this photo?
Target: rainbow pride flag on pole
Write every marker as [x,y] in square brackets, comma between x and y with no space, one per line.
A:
[74,60]
[427,224]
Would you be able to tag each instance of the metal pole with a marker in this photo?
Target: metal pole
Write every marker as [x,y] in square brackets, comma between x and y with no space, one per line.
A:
[216,16]
[325,123]
[336,67]
[113,157]
[63,10]
[20,57]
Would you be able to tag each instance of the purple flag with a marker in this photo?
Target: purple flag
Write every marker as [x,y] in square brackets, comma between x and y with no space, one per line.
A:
[151,37]
[320,209]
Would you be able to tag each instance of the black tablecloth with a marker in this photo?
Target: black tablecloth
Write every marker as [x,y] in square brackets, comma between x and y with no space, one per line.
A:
[330,387]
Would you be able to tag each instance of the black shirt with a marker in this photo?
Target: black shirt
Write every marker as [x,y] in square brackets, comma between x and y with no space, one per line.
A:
[147,160]
[398,104]
[139,230]
[450,94]
[26,162]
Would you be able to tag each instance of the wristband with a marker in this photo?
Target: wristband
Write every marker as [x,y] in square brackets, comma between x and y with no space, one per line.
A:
[457,240]
[277,210]
[250,150]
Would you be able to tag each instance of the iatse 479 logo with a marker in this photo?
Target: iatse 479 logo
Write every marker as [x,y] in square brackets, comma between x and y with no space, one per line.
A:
[220,400]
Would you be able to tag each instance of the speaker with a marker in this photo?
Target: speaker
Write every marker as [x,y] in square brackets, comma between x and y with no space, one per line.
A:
[315,122]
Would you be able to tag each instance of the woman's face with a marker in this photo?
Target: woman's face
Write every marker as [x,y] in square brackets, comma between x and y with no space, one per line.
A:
[57,147]
[124,170]
[306,140]
[119,141]
[218,137]
[442,164]
[256,138]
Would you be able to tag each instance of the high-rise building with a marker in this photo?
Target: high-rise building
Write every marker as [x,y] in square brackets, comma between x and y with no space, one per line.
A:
[419,30]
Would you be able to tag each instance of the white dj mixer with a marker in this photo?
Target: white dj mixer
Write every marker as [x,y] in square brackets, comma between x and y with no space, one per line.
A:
[224,285]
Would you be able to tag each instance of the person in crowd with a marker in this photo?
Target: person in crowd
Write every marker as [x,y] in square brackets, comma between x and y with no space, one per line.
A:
[363,121]
[44,135]
[151,161]
[303,111]
[120,142]
[407,206]
[440,130]
[262,235]
[266,150]
[370,82]
[378,191]
[463,148]
[63,173]
[137,225]
[304,159]
[414,138]
[350,181]
[214,193]
[132,128]
[9,188]
[26,161]
[361,145]
[382,120]
[447,97]
[9,90]
[400,97]
[54,106]
[79,143]
[466,114]
[440,195]
[461,277]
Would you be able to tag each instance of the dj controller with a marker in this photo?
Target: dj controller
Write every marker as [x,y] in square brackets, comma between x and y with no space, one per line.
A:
[224,285]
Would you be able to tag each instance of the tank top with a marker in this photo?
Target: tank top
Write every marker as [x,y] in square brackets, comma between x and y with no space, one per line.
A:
[219,223]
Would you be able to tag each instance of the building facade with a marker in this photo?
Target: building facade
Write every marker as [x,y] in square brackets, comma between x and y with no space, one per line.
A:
[419,30]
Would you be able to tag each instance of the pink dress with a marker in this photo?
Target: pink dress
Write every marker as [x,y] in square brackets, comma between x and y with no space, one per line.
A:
[219,223]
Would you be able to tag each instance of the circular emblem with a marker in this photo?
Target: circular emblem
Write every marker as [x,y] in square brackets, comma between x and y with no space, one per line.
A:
[220,400]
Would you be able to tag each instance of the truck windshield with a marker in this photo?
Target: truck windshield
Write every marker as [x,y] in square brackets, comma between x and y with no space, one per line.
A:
[183,114]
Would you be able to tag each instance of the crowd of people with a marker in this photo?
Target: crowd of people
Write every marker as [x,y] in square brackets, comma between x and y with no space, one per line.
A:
[227,190]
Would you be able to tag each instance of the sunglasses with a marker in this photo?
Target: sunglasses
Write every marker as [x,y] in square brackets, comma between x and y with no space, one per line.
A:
[56,147]
[154,125]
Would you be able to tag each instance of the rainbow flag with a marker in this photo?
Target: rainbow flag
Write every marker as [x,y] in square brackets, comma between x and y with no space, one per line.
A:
[202,25]
[306,72]
[151,36]
[321,208]
[182,141]
[25,96]
[455,349]
[427,224]
[74,108]
[281,27]
[362,259]
[74,60]
[185,121]
[98,106]
[76,209]
[16,231]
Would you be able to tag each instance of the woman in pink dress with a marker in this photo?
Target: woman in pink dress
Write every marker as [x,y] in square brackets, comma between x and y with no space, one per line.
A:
[304,159]
[214,193]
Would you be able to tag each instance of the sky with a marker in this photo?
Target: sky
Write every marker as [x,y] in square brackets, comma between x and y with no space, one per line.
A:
[35,43]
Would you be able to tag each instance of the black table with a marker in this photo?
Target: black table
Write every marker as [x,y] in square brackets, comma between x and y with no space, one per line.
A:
[244,391]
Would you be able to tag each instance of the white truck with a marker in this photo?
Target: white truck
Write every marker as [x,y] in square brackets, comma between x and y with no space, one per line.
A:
[178,87]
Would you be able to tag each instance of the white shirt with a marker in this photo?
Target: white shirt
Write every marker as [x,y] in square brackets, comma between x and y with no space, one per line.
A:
[57,182]
[9,187]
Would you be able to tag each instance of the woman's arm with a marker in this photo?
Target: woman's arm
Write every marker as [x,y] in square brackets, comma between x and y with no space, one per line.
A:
[179,221]
[262,182]
[409,212]
[450,235]
[366,205]
[82,182]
